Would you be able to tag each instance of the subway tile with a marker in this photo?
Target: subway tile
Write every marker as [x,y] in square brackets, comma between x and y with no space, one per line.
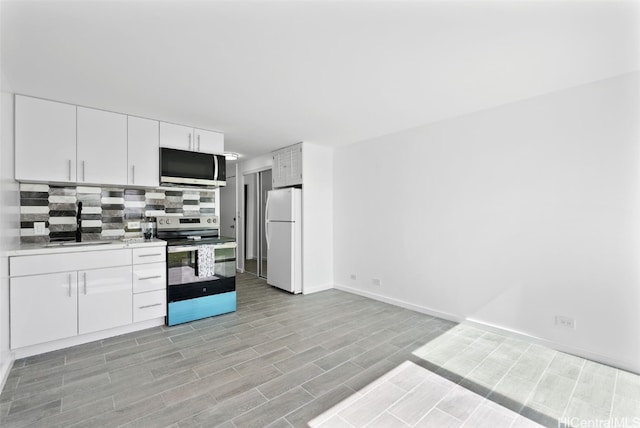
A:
[34,195]
[29,187]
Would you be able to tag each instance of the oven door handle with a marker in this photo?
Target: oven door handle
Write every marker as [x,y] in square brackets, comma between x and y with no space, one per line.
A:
[182,249]
[191,248]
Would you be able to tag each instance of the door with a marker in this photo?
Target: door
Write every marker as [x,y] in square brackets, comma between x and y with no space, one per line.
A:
[143,138]
[43,308]
[45,136]
[257,186]
[280,239]
[280,205]
[105,298]
[228,208]
[176,136]
[265,188]
[102,147]
[209,141]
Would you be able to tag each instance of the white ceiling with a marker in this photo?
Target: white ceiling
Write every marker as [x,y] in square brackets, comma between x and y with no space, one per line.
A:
[269,73]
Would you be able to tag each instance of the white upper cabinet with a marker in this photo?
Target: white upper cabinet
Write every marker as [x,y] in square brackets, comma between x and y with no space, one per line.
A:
[209,141]
[193,139]
[62,143]
[45,136]
[287,166]
[102,147]
[143,156]
[176,136]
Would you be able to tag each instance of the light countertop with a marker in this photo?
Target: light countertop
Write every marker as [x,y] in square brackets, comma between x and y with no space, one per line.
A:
[73,247]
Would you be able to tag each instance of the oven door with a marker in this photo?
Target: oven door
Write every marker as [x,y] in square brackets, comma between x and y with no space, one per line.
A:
[199,270]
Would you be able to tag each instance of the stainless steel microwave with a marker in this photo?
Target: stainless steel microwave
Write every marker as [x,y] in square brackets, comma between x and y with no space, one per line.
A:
[187,168]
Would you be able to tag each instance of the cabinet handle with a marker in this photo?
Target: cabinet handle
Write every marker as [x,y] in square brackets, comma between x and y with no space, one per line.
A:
[133,174]
[150,277]
[149,306]
[149,255]
[69,285]
[189,140]
[83,171]
[84,275]
[198,142]
[69,162]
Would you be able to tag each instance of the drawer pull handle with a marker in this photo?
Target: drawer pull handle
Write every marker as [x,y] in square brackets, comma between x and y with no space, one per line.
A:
[149,306]
[150,277]
[69,285]
[149,255]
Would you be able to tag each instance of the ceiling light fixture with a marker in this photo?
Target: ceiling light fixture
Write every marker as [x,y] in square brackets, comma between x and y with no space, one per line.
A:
[231,156]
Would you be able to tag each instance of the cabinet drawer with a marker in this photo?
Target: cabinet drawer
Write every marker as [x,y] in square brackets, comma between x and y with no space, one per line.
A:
[50,263]
[149,305]
[149,255]
[149,277]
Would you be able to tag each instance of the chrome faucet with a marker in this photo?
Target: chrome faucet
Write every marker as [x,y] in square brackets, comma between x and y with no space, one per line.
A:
[79,223]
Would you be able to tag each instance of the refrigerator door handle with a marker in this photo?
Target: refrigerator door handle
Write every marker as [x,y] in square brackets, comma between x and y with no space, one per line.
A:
[266,221]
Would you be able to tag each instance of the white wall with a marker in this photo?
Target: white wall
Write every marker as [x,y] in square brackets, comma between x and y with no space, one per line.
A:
[317,221]
[507,217]
[9,218]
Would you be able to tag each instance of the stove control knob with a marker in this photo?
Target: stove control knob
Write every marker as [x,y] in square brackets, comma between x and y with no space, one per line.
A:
[161,221]
[208,220]
[168,221]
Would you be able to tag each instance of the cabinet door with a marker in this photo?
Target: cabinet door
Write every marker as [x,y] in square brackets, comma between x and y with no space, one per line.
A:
[176,136]
[209,141]
[102,147]
[43,308]
[295,165]
[45,140]
[280,169]
[287,166]
[143,152]
[104,298]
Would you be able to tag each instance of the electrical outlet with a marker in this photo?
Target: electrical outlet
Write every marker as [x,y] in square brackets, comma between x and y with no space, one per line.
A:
[376,282]
[353,277]
[567,322]
[39,228]
[133,225]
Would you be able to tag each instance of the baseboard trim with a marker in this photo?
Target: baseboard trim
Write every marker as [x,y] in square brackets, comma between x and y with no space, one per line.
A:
[579,352]
[401,303]
[5,369]
[621,364]
[316,288]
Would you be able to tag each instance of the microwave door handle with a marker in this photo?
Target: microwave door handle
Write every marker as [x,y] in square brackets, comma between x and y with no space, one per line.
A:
[215,166]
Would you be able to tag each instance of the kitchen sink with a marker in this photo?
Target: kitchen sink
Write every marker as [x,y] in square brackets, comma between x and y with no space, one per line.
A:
[77,244]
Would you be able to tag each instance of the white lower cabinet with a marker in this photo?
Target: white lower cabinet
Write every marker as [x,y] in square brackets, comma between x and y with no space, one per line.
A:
[104,299]
[61,295]
[43,308]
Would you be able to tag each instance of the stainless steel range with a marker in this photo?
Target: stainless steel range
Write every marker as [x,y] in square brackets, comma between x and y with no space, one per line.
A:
[201,268]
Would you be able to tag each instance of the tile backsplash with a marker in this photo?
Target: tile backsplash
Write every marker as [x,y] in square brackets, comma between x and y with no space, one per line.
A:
[106,211]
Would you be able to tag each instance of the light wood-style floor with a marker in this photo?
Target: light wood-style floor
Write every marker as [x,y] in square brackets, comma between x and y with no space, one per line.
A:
[330,358]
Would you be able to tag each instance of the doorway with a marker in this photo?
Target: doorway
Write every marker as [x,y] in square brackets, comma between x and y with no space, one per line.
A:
[256,187]
[228,209]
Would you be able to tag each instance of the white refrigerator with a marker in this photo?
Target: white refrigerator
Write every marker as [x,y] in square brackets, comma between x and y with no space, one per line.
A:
[283,230]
